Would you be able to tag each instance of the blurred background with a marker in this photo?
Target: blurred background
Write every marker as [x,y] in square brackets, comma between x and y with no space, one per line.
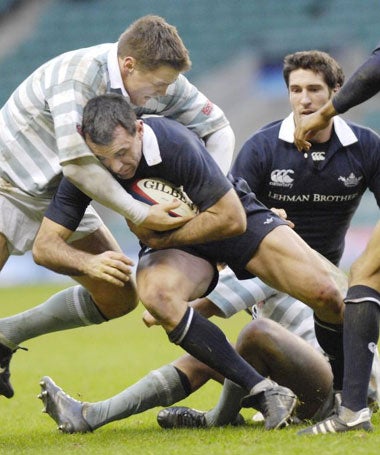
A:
[237,48]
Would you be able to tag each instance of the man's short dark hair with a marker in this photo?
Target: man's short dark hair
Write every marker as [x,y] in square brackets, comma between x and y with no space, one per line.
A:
[317,61]
[103,114]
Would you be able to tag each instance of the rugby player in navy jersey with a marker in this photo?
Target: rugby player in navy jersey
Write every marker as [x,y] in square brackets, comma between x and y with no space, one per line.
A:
[362,313]
[180,265]
[319,190]
[40,140]
[232,295]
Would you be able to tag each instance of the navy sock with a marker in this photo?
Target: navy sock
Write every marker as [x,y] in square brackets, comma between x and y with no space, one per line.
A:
[184,381]
[330,338]
[207,343]
[361,334]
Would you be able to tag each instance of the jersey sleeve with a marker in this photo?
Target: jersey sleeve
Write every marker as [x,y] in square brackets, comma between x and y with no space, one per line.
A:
[371,160]
[362,85]
[68,205]
[71,83]
[184,103]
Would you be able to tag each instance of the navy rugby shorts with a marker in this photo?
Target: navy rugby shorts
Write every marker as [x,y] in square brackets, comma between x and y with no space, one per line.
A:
[237,251]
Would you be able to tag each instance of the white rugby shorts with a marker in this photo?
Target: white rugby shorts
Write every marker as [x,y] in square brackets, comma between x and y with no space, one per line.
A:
[21,215]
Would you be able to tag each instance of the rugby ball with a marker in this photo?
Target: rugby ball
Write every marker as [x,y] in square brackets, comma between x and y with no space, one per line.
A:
[152,191]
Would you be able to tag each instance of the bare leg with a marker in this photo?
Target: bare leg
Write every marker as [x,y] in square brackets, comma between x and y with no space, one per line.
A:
[288,360]
[73,307]
[361,334]
[167,281]
[288,264]
[276,353]
[196,372]
[361,324]
[4,253]
[366,269]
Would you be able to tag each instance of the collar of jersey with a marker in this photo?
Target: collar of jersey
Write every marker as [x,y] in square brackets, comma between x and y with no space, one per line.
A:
[151,150]
[343,131]
[114,71]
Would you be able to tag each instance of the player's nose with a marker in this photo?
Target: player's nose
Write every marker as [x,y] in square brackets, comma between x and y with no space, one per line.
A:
[116,166]
[305,98]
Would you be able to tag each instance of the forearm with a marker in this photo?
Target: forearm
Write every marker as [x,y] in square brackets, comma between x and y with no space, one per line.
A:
[362,85]
[224,219]
[95,181]
[55,254]
[206,227]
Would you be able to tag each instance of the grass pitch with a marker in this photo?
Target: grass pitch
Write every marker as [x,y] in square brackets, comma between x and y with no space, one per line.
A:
[96,362]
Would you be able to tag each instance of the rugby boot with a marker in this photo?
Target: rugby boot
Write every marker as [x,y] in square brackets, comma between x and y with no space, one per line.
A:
[6,354]
[183,417]
[341,422]
[276,403]
[65,410]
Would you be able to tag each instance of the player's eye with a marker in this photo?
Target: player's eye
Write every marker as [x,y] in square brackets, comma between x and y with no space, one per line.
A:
[120,154]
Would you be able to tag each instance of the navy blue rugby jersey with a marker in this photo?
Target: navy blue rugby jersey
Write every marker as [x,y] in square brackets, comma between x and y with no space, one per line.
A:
[321,192]
[183,161]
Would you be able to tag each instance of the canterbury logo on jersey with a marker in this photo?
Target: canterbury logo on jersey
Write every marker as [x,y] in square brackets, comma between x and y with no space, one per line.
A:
[282,177]
[317,156]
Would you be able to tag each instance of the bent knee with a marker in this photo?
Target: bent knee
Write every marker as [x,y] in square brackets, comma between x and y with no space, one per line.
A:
[163,304]
[115,302]
[328,298]
[255,335]
[152,294]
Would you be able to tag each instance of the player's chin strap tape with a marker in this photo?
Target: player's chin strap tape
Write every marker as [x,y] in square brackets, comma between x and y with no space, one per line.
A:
[177,335]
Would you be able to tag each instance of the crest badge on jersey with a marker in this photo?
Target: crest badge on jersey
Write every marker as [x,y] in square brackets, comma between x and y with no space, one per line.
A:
[351,180]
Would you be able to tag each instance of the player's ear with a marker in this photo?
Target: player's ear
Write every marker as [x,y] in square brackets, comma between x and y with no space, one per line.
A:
[336,88]
[139,128]
[129,64]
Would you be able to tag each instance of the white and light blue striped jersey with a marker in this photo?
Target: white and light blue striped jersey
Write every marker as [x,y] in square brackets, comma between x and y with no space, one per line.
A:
[39,122]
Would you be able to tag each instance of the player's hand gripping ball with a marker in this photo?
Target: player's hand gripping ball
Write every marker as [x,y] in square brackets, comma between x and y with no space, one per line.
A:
[152,191]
